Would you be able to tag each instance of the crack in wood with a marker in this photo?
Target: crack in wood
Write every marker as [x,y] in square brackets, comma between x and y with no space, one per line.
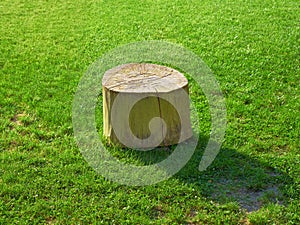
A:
[160,115]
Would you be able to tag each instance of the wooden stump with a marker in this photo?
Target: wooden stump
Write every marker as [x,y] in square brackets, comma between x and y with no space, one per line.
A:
[145,105]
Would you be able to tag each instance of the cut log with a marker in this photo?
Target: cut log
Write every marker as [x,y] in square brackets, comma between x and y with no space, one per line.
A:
[145,105]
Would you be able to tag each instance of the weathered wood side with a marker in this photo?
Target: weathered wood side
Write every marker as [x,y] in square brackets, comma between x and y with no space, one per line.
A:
[159,91]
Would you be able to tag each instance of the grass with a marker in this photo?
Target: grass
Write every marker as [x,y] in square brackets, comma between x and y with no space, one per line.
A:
[252,48]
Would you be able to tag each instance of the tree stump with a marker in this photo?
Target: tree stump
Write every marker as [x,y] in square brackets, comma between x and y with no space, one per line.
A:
[145,105]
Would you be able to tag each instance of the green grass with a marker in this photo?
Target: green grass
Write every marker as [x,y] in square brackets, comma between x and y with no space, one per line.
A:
[252,48]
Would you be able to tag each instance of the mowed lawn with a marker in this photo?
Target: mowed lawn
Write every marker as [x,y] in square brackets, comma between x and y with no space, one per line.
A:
[252,47]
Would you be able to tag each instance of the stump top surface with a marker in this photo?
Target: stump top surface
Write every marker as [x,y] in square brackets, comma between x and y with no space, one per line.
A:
[143,78]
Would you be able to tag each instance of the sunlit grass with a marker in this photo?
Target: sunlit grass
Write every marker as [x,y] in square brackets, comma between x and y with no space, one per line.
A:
[251,46]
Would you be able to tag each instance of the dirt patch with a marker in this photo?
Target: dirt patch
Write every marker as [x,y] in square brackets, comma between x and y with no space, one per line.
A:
[248,199]
[17,119]
[254,200]
[157,212]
